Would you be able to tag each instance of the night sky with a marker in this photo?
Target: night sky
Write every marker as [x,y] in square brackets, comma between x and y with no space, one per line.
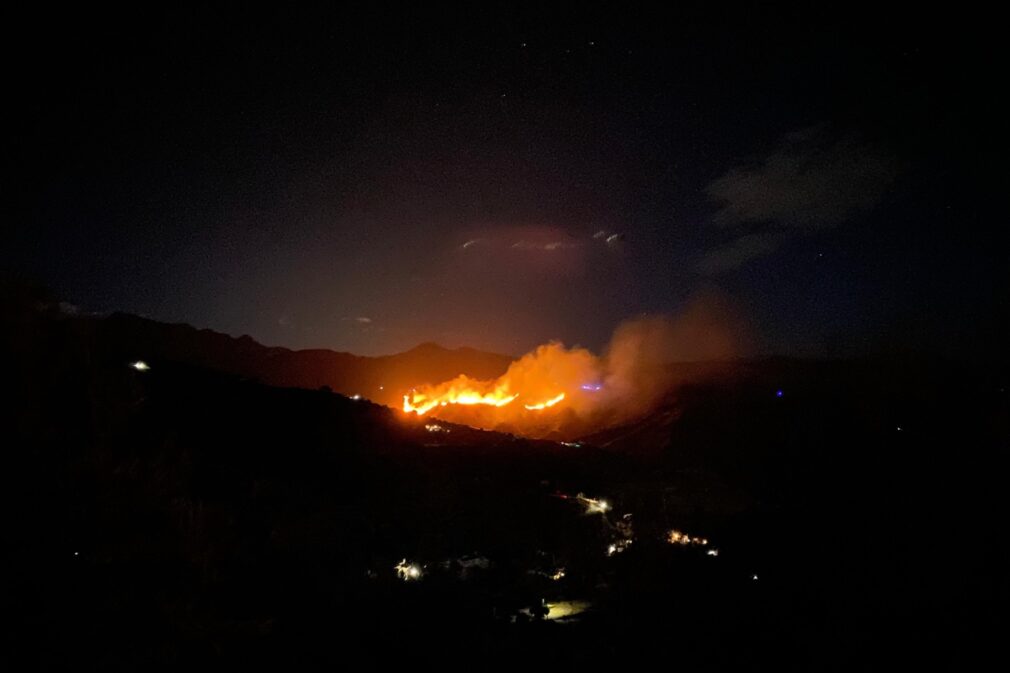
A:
[369,180]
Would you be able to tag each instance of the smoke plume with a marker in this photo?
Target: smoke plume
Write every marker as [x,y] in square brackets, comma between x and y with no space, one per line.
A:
[559,391]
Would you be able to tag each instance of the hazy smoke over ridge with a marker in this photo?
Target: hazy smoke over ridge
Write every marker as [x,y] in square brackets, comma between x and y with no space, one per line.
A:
[627,381]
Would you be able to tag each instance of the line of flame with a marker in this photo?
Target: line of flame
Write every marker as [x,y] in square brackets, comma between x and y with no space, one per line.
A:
[423,407]
[543,405]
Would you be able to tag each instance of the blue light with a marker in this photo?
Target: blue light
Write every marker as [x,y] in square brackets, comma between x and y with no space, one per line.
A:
[778,393]
[592,386]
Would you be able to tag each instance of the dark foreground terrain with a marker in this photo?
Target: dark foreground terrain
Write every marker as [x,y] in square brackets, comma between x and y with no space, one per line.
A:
[186,517]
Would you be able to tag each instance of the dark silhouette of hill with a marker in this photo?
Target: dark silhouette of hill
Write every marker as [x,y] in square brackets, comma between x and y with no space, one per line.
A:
[383,379]
[186,516]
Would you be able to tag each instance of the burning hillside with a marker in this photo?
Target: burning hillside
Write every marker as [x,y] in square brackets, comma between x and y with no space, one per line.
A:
[565,392]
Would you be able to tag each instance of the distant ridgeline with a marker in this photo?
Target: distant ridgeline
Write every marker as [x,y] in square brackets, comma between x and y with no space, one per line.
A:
[381,379]
[30,314]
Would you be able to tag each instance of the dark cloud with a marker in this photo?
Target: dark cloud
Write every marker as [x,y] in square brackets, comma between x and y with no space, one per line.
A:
[738,252]
[549,246]
[611,238]
[814,179]
[361,322]
[810,181]
[544,239]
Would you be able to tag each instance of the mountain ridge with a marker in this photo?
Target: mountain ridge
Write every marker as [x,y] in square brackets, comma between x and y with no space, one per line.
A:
[383,379]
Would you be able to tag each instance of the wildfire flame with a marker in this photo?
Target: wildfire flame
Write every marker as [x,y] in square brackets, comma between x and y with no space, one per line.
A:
[543,405]
[422,403]
[538,387]
[568,392]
